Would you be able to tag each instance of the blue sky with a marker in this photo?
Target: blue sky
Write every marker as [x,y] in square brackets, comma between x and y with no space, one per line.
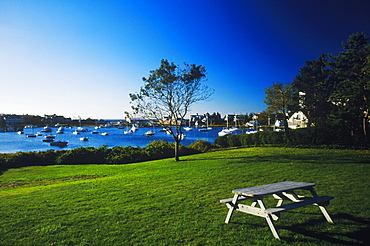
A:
[83,58]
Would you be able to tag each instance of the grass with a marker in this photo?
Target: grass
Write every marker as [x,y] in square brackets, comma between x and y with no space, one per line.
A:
[177,203]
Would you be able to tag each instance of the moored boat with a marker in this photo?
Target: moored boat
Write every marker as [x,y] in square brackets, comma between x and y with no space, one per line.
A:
[59,143]
[150,133]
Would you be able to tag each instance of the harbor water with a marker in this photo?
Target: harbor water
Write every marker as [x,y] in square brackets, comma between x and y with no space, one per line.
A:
[12,142]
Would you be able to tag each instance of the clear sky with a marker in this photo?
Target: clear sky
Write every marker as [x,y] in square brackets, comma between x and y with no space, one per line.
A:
[83,57]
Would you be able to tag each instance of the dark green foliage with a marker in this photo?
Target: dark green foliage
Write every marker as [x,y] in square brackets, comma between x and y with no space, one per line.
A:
[122,155]
[304,137]
[80,156]
[201,146]
[221,141]
[159,149]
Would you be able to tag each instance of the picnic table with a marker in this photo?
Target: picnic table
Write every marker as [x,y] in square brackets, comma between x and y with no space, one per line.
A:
[282,191]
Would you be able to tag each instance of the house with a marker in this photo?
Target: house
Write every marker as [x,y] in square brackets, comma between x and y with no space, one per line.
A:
[298,120]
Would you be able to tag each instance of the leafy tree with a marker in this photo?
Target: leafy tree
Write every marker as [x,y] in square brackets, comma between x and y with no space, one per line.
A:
[168,94]
[281,99]
[350,72]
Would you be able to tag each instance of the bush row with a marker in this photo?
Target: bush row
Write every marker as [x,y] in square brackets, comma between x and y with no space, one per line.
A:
[303,137]
[102,155]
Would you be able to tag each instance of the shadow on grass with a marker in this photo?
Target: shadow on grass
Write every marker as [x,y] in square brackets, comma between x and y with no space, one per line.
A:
[336,236]
[355,237]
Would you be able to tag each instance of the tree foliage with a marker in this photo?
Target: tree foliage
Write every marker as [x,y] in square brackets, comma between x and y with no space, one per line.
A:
[280,99]
[168,94]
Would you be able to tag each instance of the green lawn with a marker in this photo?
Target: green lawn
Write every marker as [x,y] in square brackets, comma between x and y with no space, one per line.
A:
[177,203]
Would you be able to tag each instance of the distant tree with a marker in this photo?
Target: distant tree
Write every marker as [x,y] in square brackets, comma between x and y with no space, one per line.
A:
[168,94]
[350,73]
[281,99]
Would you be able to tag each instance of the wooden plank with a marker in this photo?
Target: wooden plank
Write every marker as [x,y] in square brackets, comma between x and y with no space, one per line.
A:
[290,206]
[229,200]
[270,189]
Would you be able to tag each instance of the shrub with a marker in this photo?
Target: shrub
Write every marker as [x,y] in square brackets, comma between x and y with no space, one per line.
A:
[201,146]
[160,149]
[123,155]
[221,141]
[80,156]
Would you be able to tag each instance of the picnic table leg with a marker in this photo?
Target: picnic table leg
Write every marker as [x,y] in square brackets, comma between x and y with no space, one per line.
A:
[269,220]
[322,208]
[231,208]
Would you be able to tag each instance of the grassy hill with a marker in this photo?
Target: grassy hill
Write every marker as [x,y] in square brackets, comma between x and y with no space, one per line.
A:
[177,203]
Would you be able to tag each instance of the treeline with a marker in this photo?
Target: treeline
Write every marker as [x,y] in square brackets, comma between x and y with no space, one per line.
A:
[333,92]
[102,155]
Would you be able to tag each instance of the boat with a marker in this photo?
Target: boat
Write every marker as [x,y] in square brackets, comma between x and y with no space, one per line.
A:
[224,132]
[188,128]
[94,132]
[134,128]
[38,134]
[234,129]
[20,132]
[60,130]
[31,135]
[149,133]
[48,140]
[46,129]
[49,136]
[203,128]
[105,134]
[84,138]
[76,132]
[251,131]
[59,143]
[81,129]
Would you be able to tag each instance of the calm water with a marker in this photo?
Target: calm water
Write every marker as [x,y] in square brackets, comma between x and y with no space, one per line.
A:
[11,142]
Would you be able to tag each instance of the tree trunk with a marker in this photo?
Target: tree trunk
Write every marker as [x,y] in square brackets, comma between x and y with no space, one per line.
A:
[177,144]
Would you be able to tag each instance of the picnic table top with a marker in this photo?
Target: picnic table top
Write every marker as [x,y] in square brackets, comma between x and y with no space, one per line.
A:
[269,189]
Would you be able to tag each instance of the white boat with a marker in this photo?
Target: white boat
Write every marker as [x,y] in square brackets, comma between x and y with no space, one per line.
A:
[251,131]
[150,133]
[46,129]
[84,138]
[75,133]
[81,129]
[20,132]
[105,134]
[60,130]
[38,134]
[224,132]
[234,129]
[188,128]
[134,128]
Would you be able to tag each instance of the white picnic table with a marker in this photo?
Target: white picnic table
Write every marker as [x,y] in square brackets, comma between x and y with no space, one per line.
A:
[284,192]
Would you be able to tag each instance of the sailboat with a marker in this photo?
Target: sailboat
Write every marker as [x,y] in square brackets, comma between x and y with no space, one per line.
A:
[204,128]
[235,128]
[225,131]
[188,128]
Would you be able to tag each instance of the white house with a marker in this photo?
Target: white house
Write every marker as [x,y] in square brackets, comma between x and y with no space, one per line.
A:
[298,120]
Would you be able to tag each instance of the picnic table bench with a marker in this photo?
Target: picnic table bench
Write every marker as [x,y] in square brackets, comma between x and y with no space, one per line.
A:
[283,191]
